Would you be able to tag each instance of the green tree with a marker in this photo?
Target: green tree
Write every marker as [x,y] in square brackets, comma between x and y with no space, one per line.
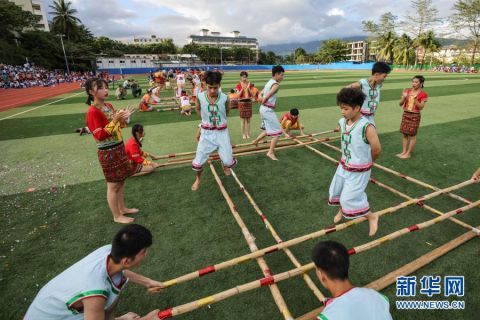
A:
[466,17]
[43,48]
[383,33]
[386,44]
[108,47]
[300,55]
[332,50]
[404,50]
[429,43]
[64,20]
[268,57]
[423,18]
[387,23]
[14,20]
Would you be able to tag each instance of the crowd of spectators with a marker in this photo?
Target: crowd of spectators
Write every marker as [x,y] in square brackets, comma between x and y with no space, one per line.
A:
[28,75]
[455,69]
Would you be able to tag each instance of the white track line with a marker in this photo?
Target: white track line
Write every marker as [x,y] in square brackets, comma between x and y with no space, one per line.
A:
[43,105]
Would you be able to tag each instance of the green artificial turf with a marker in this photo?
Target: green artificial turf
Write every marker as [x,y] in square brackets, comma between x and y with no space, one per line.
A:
[67,217]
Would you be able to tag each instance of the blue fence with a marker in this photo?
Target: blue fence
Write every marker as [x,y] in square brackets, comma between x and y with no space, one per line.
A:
[265,67]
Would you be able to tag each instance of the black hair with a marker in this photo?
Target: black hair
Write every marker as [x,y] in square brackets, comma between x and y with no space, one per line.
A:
[184,92]
[244,73]
[420,78]
[332,258]
[294,112]
[213,77]
[277,69]
[137,128]
[93,83]
[381,67]
[232,90]
[351,97]
[129,241]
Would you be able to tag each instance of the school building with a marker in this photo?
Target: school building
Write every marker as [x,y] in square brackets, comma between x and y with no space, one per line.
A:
[37,8]
[217,40]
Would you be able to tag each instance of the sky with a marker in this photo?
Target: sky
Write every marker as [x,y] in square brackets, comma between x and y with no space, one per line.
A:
[270,21]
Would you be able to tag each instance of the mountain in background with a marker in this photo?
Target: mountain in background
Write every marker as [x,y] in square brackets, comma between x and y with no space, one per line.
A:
[312,46]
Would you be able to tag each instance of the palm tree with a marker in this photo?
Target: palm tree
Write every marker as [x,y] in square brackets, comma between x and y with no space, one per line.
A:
[429,44]
[64,20]
[386,46]
[403,50]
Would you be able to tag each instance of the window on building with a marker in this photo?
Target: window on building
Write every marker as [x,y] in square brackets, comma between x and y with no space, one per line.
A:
[99,61]
[144,61]
[133,61]
[122,61]
[111,61]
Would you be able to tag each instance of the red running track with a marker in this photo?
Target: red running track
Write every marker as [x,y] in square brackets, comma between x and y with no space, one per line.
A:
[11,98]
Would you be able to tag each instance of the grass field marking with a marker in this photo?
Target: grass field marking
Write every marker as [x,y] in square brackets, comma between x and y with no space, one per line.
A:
[43,105]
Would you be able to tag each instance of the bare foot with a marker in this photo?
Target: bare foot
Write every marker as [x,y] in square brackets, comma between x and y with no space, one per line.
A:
[372,223]
[248,137]
[130,211]
[227,171]
[196,185]
[244,137]
[255,142]
[123,219]
[399,155]
[271,155]
[338,216]
[405,156]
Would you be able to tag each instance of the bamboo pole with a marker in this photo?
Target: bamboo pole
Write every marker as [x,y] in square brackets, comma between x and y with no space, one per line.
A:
[242,150]
[174,155]
[424,206]
[305,268]
[407,269]
[394,191]
[277,238]
[412,228]
[277,296]
[215,156]
[168,109]
[422,261]
[408,178]
[301,239]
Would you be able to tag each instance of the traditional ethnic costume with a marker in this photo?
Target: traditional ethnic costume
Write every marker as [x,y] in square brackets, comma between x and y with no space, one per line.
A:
[86,278]
[214,133]
[358,304]
[289,122]
[244,101]
[135,153]
[270,122]
[372,99]
[347,188]
[411,114]
[111,150]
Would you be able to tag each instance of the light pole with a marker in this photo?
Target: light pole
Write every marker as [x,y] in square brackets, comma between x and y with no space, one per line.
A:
[64,54]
